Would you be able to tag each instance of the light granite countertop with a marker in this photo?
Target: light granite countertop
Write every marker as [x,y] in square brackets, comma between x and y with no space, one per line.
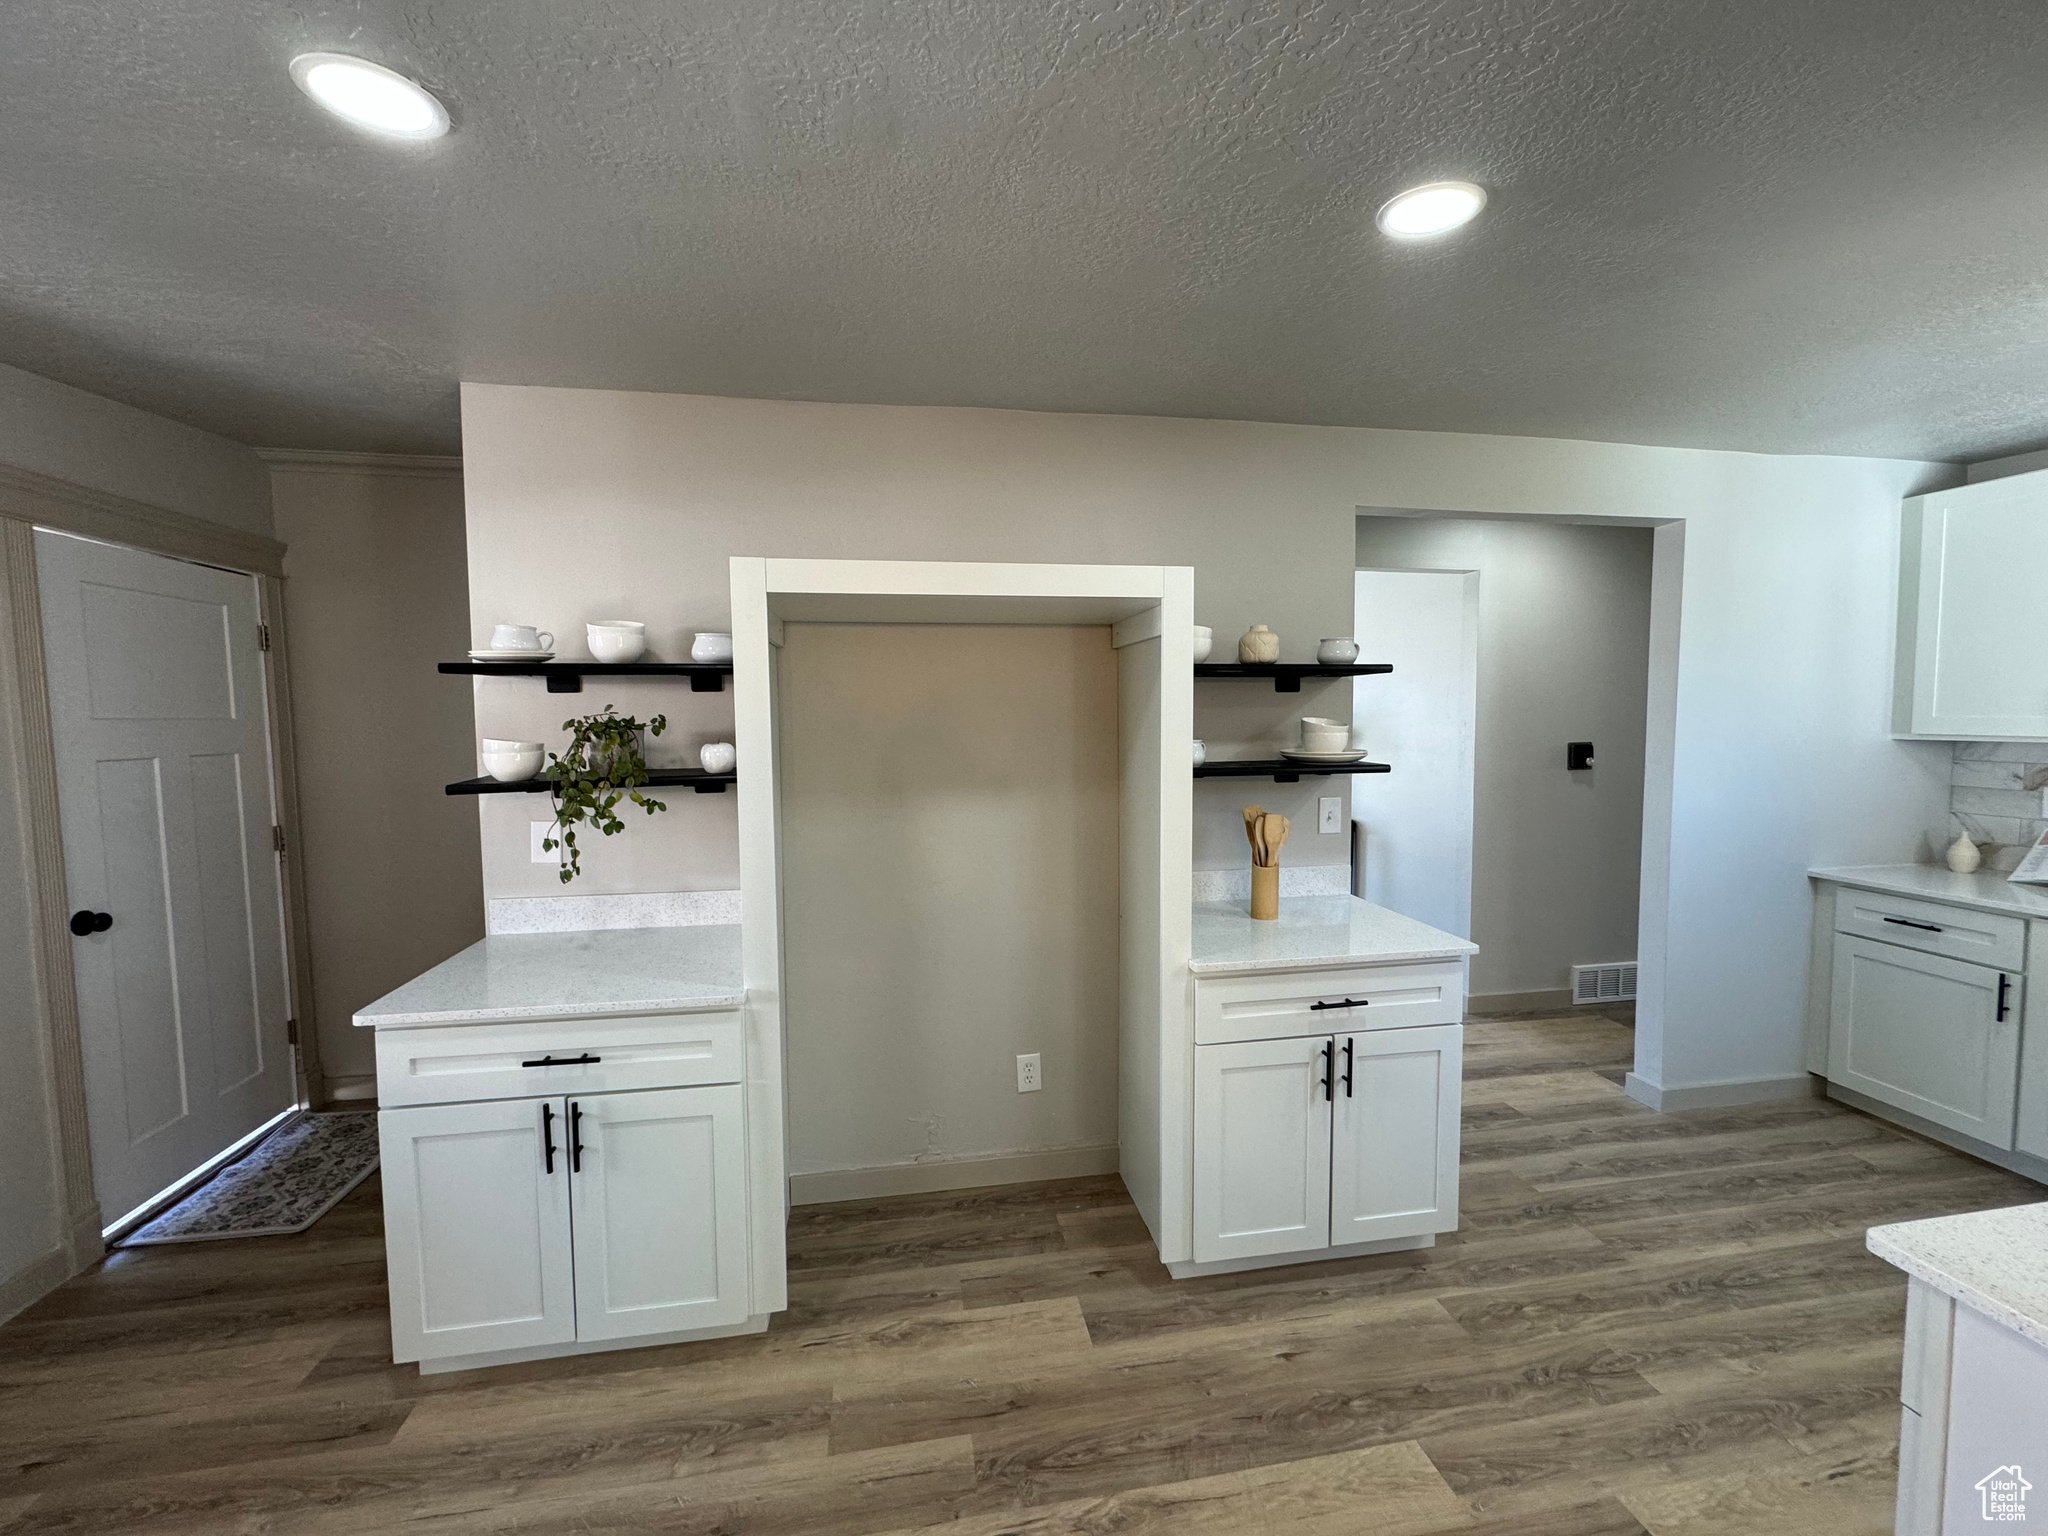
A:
[1982,892]
[1313,931]
[1995,1261]
[563,975]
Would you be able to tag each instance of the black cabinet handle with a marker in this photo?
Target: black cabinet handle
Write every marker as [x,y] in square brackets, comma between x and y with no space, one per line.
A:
[84,922]
[1907,922]
[1330,1070]
[585,1060]
[547,1136]
[1349,1002]
[2004,991]
[1349,1044]
[575,1137]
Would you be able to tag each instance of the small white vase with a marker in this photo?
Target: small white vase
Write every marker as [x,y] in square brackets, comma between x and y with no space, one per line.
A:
[1260,647]
[1201,753]
[1205,642]
[1963,855]
[717,756]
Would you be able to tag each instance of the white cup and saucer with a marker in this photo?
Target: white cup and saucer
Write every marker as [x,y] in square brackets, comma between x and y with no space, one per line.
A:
[517,642]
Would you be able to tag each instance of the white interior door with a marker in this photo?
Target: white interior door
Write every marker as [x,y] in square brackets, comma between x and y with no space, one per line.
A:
[164,780]
[1262,1148]
[1394,1147]
[1423,718]
[476,1238]
[658,1191]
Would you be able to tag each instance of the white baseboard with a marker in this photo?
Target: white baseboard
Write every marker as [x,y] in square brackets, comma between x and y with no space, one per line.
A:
[758,1323]
[1482,1003]
[347,1090]
[33,1281]
[958,1173]
[1762,1090]
[1191,1271]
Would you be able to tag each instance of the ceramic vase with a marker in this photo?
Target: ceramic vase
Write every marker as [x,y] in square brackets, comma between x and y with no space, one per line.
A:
[1260,647]
[717,756]
[1205,641]
[1963,855]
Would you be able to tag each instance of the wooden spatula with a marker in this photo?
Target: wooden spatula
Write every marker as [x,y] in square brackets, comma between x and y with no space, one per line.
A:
[1276,827]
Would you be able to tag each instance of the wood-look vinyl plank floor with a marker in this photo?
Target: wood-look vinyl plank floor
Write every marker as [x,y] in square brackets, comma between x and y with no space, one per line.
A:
[1647,1325]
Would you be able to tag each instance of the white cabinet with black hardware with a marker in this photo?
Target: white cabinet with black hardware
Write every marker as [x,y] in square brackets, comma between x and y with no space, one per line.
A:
[1925,1008]
[1320,1144]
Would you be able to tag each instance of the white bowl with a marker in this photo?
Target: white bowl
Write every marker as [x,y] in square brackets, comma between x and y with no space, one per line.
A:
[616,642]
[711,648]
[511,761]
[1205,642]
[1337,653]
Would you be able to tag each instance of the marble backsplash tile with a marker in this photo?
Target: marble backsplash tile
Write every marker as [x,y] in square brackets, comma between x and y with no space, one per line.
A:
[1988,797]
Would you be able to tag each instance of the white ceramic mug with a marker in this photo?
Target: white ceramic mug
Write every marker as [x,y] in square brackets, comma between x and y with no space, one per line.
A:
[717,756]
[1337,653]
[711,648]
[521,637]
[1201,752]
[616,639]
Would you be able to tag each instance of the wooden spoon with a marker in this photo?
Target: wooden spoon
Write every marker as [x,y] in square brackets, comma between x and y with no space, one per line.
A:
[1252,813]
[1276,827]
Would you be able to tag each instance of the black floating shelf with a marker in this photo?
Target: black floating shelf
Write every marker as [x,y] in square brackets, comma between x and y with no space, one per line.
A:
[1280,770]
[567,676]
[657,778]
[1287,675]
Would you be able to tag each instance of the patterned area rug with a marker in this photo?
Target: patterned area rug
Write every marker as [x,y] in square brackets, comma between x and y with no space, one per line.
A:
[283,1184]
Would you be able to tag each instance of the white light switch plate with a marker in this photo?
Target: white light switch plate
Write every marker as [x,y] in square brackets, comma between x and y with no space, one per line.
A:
[1332,818]
[537,831]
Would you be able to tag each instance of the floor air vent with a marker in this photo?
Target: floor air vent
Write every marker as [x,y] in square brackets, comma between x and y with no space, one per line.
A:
[1604,983]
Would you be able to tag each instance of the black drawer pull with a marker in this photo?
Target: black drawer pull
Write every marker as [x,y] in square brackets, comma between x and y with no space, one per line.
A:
[2004,992]
[575,1137]
[1329,1082]
[1349,1046]
[547,1136]
[1349,1002]
[585,1060]
[1907,922]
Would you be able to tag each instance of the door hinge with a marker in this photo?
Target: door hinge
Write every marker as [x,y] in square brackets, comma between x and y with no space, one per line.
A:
[277,839]
[262,637]
[291,1031]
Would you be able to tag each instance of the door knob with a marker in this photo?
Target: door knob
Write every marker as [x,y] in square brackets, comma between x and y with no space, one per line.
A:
[83,922]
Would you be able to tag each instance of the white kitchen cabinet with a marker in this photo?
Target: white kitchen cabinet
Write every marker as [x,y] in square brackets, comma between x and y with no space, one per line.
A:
[514,1224]
[476,1228]
[658,1201]
[1936,1037]
[1262,1148]
[1972,564]
[1394,1141]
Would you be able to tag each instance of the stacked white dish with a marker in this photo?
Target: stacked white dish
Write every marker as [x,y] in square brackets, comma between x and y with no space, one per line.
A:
[1323,741]
[509,762]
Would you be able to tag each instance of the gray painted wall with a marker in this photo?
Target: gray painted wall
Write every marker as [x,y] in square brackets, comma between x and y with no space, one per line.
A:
[1564,645]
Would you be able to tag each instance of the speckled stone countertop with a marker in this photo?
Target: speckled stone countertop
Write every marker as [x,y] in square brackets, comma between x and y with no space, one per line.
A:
[1983,891]
[1995,1261]
[561,975]
[1313,931]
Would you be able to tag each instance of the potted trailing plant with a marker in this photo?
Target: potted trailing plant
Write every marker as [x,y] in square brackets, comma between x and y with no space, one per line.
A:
[602,766]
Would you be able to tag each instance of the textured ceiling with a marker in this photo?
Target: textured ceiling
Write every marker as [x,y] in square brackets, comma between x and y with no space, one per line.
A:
[1788,227]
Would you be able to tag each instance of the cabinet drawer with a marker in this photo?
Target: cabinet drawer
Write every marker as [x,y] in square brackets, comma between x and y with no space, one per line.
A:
[461,1062]
[1982,938]
[1276,1007]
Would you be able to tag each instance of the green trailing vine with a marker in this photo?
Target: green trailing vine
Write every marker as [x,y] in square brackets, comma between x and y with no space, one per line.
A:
[601,767]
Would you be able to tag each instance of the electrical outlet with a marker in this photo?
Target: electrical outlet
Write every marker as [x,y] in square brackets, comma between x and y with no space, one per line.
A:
[1332,819]
[1027,1074]
[537,830]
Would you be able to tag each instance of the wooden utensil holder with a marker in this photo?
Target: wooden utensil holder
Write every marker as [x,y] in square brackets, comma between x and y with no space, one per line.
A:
[1266,892]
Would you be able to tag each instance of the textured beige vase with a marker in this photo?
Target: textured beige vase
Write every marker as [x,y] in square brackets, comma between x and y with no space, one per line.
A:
[1259,647]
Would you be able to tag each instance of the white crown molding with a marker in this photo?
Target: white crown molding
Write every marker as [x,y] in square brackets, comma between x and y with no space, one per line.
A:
[48,502]
[321,461]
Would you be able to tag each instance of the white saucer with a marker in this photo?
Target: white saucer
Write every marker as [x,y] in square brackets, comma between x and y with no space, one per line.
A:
[510,655]
[1295,754]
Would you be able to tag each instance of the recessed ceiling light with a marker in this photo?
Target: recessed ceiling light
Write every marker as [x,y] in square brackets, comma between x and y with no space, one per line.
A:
[370,95]
[1434,209]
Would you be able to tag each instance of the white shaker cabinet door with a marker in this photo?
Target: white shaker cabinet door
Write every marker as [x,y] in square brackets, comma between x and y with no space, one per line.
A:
[1394,1152]
[1262,1148]
[1936,1037]
[1979,561]
[659,1189]
[476,1227]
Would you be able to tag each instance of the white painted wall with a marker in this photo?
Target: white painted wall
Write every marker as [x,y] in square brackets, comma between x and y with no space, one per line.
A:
[376,591]
[1564,625]
[54,429]
[587,502]
[949,815]
[1414,850]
